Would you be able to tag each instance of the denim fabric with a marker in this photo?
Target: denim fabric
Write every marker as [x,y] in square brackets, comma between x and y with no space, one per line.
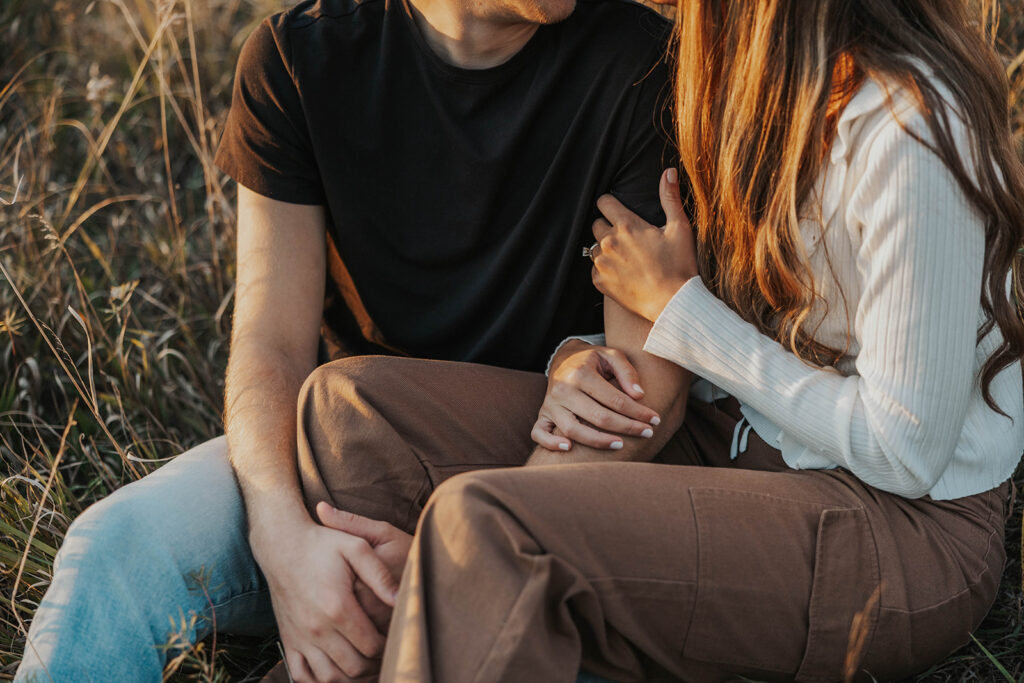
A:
[131,574]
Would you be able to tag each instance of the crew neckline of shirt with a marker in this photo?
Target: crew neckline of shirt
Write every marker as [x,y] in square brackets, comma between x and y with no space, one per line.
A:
[486,75]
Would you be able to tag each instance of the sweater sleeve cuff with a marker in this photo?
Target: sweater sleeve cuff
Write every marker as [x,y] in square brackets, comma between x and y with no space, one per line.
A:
[593,339]
[687,323]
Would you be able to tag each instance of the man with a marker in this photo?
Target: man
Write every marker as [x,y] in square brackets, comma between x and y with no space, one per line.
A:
[437,165]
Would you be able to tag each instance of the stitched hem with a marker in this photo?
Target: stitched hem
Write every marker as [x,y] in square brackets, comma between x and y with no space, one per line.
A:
[243,594]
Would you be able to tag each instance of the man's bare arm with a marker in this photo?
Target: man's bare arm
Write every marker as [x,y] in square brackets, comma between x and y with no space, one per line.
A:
[310,568]
[666,384]
[665,389]
[278,304]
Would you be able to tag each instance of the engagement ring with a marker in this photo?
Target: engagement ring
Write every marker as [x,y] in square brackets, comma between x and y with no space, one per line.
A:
[589,252]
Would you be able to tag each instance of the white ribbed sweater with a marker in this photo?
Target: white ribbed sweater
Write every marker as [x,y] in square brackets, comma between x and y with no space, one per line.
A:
[904,410]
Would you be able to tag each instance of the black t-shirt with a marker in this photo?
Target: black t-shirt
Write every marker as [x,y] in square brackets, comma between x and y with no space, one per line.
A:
[458,200]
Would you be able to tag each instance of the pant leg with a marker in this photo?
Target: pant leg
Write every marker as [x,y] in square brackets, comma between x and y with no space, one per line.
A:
[377,434]
[134,562]
[702,573]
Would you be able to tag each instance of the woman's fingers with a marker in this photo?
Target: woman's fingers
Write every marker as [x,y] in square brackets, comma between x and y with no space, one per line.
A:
[374,531]
[351,622]
[624,372]
[603,394]
[542,434]
[569,424]
[616,213]
[604,418]
[298,669]
[671,201]
[583,405]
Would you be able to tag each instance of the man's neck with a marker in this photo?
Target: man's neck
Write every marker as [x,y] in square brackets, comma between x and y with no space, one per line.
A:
[466,40]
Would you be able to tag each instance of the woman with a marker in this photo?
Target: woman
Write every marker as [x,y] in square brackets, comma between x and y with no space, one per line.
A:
[859,208]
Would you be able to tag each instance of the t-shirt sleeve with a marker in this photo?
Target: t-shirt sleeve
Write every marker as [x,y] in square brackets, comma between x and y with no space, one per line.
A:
[266,144]
[647,150]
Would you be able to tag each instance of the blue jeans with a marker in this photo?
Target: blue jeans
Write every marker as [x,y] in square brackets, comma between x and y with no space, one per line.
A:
[129,577]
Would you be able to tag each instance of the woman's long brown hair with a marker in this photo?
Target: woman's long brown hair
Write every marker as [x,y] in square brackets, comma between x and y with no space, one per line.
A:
[759,86]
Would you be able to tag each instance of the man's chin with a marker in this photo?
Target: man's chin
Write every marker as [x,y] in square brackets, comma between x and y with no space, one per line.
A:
[550,11]
[558,12]
[536,12]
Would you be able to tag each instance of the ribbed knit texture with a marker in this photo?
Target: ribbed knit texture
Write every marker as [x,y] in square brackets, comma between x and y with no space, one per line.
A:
[904,410]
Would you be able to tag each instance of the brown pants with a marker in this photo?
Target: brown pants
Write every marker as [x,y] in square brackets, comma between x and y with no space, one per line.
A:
[693,567]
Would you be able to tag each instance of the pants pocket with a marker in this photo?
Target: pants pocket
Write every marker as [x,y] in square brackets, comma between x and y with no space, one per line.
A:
[844,604]
[755,554]
[779,582]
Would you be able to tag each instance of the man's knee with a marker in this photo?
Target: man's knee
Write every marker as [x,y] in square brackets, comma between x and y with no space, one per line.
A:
[349,452]
[344,381]
[157,520]
[102,539]
[330,399]
[334,396]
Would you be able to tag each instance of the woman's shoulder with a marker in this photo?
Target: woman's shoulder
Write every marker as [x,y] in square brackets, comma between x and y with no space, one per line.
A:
[886,111]
[884,148]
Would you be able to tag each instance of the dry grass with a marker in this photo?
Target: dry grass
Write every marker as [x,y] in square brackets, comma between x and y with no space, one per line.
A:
[116,239]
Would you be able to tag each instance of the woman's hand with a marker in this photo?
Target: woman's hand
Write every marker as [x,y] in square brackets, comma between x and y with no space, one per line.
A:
[637,264]
[580,387]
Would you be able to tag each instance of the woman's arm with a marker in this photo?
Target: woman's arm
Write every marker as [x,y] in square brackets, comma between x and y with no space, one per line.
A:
[665,387]
[894,424]
[897,422]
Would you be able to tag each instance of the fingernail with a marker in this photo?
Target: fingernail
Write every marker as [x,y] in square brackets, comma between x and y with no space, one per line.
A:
[647,433]
[637,387]
[672,176]
[655,420]
[563,446]
[616,445]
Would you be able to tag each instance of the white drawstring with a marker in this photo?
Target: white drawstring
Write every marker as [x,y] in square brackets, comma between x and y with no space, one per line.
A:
[739,438]
[734,448]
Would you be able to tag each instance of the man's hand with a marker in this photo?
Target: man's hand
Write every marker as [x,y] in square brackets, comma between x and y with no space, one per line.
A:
[333,589]
[326,633]
[582,400]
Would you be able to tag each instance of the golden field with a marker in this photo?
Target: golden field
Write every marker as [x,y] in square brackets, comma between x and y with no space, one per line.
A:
[116,282]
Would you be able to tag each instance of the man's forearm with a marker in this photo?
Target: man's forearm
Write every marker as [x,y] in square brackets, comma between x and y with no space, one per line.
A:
[665,385]
[260,417]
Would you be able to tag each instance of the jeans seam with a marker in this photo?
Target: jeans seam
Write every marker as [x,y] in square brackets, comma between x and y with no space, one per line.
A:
[243,594]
